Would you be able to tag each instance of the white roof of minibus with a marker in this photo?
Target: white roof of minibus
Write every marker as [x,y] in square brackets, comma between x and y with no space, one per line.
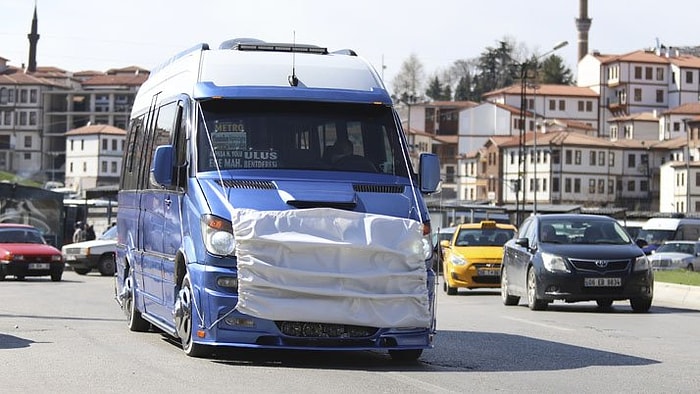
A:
[262,68]
[228,67]
[662,224]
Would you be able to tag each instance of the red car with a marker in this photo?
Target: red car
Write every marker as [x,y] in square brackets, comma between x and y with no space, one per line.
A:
[24,252]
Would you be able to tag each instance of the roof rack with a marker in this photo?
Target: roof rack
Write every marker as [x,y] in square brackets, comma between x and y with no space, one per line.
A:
[197,48]
[253,44]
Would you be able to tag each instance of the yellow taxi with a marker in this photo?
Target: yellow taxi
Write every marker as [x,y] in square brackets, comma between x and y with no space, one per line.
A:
[473,256]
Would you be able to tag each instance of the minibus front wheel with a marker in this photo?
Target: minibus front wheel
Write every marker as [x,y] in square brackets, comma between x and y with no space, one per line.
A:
[133,317]
[184,320]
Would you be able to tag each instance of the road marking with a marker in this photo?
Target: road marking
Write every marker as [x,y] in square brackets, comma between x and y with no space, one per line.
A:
[534,323]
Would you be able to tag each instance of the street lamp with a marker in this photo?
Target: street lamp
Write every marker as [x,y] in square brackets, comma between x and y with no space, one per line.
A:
[523,107]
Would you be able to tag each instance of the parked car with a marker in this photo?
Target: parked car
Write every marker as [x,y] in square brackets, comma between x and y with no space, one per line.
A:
[473,255]
[24,252]
[674,255]
[574,258]
[98,254]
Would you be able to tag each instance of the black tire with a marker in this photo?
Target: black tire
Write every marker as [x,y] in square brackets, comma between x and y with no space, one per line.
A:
[533,302]
[604,303]
[107,265]
[507,298]
[56,275]
[185,322]
[134,320]
[640,304]
[81,271]
[405,356]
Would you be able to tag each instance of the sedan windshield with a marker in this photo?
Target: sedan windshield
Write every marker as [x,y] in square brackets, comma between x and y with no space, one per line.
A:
[674,247]
[21,236]
[582,231]
[258,134]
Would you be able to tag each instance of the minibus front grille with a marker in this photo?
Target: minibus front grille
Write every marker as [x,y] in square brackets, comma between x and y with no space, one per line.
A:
[393,189]
[324,330]
[247,184]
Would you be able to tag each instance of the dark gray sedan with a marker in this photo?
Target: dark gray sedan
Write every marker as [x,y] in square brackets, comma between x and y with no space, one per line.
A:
[573,257]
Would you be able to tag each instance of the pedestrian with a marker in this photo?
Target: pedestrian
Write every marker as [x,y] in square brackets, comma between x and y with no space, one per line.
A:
[79,233]
[89,232]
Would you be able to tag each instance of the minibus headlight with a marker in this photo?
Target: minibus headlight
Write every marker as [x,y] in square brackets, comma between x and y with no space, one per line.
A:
[218,235]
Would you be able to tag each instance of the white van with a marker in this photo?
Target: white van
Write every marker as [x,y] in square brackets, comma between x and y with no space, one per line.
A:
[657,230]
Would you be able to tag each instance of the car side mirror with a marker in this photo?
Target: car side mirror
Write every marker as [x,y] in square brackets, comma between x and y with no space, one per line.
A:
[445,243]
[524,242]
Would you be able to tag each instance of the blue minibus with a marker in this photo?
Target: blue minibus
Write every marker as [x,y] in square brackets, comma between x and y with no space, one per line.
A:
[268,200]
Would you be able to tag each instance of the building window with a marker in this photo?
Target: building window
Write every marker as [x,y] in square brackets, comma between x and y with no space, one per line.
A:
[601,186]
[611,159]
[577,185]
[556,156]
[589,106]
[659,73]
[637,72]
[611,186]
[581,106]
[23,96]
[630,186]
[33,96]
[591,186]
[577,157]
[84,166]
[631,161]
[659,96]
[555,185]
[82,144]
[512,157]
[28,141]
[688,77]
[567,185]
[567,156]
[676,126]
[697,179]
[601,158]
[449,174]
[71,167]
[71,144]
[592,158]
[552,105]
[531,103]
[637,94]
[648,73]
[562,105]
[114,144]
[643,186]
[104,167]
[104,144]
[32,118]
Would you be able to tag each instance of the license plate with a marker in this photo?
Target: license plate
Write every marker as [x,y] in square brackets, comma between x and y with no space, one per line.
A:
[602,282]
[70,258]
[487,272]
[38,266]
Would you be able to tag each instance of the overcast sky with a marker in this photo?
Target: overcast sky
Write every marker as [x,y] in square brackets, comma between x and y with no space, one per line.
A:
[98,35]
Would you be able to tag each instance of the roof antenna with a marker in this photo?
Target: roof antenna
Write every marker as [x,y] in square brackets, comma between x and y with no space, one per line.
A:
[293,80]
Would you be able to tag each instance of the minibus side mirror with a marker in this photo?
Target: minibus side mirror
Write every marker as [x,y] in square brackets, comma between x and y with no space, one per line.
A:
[162,166]
[429,172]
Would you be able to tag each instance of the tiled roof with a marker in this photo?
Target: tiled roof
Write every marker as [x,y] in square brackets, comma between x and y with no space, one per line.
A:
[685,109]
[15,76]
[639,116]
[124,80]
[640,56]
[545,90]
[96,129]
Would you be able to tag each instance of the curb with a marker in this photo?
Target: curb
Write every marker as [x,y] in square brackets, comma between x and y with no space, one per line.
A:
[677,295]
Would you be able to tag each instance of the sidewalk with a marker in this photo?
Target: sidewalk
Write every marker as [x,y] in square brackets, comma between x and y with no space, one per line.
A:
[680,296]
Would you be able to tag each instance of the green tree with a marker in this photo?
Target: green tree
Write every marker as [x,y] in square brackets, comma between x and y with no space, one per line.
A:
[438,91]
[463,89]
[552,70]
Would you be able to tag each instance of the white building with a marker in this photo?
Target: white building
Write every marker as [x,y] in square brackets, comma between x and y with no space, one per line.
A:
[94,156]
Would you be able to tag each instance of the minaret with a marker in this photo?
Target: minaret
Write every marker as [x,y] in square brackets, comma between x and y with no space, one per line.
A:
[33,39]
[583,23]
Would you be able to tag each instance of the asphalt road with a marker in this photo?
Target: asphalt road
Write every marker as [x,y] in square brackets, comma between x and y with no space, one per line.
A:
[71,337]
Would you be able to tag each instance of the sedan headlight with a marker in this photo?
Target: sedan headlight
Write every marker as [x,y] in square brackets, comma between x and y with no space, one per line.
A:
[457,259]
[554,263]
[217,235]
[642,264]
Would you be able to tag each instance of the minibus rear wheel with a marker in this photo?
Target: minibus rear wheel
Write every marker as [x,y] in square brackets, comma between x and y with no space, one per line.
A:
[133,317]
[185,322]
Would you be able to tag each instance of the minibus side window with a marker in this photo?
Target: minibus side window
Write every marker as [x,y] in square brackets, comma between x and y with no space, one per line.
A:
[161,135]
[135,137]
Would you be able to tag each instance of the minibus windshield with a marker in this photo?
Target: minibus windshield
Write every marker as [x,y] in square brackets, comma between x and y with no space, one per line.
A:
[301,135]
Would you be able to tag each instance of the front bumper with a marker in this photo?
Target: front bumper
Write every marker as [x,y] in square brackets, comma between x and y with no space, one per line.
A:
[26,268]
[475,275]
[572,287]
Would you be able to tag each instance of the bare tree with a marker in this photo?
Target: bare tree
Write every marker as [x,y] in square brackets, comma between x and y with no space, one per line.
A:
[408,83]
